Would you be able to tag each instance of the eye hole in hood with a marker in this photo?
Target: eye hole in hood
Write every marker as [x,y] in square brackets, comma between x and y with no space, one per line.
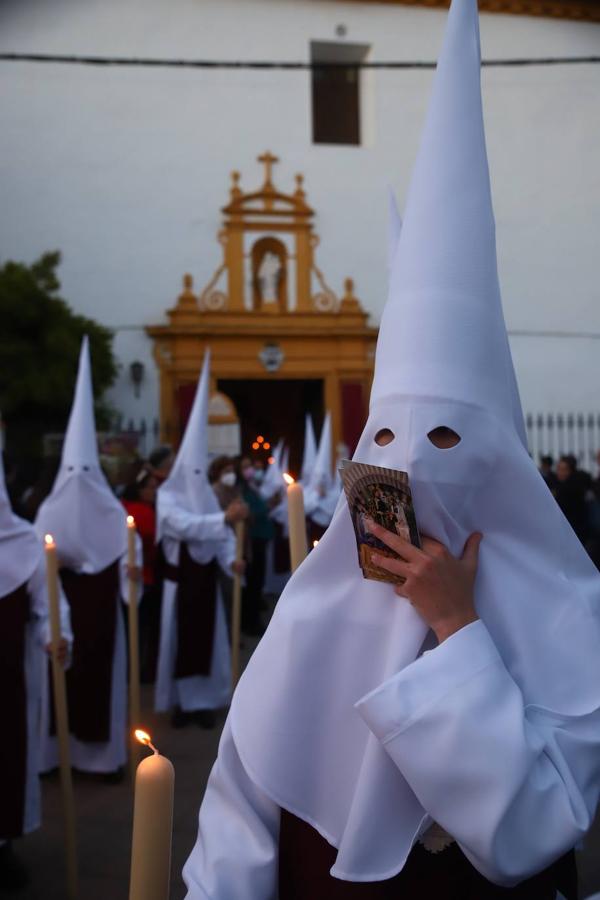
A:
[384,437]
[442,437]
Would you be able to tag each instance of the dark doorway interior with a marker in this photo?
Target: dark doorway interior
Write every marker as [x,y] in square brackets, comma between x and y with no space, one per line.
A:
[276,409]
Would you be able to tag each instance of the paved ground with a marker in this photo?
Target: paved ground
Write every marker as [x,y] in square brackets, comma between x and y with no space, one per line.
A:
[104,822]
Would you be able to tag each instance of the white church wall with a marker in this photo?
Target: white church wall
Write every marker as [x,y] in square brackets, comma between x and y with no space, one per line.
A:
[125,169]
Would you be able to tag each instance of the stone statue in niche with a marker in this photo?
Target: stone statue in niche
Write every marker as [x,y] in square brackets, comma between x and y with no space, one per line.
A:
[269,276]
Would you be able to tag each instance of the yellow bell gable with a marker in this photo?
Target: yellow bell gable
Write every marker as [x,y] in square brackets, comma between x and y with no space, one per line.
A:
[283,342]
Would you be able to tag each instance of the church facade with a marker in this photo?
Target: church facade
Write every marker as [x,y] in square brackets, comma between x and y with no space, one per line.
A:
[125,167]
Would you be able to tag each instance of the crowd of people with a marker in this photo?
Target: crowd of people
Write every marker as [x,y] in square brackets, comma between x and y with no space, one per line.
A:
[577,493]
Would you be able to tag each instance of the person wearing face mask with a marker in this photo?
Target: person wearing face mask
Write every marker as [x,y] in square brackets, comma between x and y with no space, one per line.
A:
[261,531]
[224,481]
[88,524]
[441,738]
[195,538]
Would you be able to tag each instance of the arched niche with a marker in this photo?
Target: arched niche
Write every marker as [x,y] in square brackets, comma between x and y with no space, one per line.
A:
[269,275]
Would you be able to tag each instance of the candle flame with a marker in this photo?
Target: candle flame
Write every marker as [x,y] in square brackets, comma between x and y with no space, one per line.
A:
[315,543]
[144,738]
[288,478]
[130,522]
[49,540]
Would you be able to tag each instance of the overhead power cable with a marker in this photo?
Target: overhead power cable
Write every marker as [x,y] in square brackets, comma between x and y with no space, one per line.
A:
[154,62]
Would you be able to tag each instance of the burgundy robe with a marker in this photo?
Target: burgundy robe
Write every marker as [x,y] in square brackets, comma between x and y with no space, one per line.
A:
[196,606]
[14,616]
[305,859]
[93,602]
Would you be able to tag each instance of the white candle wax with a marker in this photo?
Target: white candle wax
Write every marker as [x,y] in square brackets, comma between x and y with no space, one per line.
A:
[134,645]
[296,523]
[152,829]
[62,717]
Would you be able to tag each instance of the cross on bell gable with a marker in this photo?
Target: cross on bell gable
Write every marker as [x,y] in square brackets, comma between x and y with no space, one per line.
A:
[268,161]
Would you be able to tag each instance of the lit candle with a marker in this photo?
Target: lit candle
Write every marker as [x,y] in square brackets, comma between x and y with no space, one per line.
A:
[134,644]
[61,717]
[236,608]
[152,826]
[315,543]
[296,522]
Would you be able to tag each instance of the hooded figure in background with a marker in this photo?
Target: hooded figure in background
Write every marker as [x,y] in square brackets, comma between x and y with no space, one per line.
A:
[273,480]
[24,634]
[460,711]
[194,536]
[309,452]
[89,526]
[322,492]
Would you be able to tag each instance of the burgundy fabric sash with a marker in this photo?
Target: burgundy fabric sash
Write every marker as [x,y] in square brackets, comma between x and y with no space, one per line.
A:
[93,600]
[196,604]
[14,614]
[305,859]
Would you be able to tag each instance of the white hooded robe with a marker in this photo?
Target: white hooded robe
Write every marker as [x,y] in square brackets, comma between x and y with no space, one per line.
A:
[495,733]
[189,512]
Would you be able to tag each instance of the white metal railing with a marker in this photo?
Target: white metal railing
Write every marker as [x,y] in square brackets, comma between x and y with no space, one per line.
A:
[558,433]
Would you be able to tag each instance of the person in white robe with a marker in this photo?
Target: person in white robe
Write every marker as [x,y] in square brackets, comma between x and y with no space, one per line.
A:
[194,536]
[459,713]
[309,451]
[322,491]
[24,645]
[89,527]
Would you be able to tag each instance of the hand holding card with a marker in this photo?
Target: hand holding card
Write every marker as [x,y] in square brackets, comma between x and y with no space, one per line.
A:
[382,496]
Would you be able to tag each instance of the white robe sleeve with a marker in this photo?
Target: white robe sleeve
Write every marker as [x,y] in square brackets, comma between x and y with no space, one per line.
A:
[185,526]
[236,852]
[515,785]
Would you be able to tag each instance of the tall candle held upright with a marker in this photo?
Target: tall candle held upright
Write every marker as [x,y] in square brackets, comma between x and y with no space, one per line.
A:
[62,718]
[134,643]
[296,522]
[152,826]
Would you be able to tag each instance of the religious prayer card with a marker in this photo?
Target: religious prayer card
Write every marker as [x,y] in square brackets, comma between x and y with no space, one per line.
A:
[382,495]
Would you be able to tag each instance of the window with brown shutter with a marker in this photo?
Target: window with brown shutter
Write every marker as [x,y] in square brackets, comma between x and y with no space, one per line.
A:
[336,92]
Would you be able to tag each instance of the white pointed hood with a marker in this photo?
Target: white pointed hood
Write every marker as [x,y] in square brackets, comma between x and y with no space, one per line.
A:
[20,548]
[442,331]
[320,477]
[187,486]
[442,360]
[310,450]
[273,480]
[323,491]
[83,515]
